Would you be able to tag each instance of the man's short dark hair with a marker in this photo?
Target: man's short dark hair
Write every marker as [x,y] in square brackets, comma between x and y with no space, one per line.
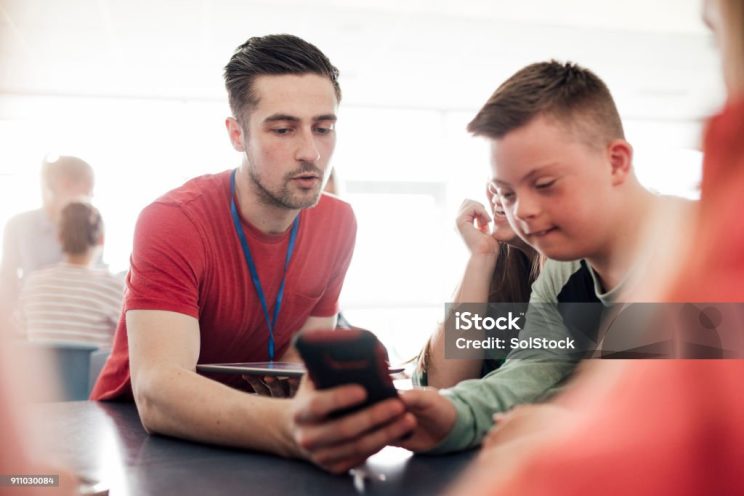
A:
[272,55]
[568,93]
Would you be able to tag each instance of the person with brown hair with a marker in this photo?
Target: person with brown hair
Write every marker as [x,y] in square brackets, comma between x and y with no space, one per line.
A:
[73,301]
[501,269]
[563,172]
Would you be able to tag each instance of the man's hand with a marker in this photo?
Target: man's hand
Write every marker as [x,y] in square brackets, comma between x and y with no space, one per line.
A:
[435,416]
[276,387]
[338,444]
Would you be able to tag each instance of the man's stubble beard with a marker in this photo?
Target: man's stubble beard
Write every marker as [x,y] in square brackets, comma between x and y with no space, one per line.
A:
[284,198]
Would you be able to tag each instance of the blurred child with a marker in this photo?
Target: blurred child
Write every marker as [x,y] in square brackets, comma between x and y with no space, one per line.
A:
[72,301]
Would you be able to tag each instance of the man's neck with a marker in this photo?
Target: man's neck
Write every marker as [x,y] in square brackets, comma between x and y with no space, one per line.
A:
[268,219]
[52,212]
[616,260]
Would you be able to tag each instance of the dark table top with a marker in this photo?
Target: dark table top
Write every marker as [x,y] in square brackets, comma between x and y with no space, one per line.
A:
[106,442]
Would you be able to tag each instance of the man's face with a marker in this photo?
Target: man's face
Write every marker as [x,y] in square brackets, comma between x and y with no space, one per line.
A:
[289,137]
[555,190]
[68,190]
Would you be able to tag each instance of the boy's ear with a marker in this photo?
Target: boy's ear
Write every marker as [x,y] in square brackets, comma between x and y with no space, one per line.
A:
[621,160]
[235,133]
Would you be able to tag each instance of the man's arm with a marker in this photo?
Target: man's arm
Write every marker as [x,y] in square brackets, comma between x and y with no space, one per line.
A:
[172,399]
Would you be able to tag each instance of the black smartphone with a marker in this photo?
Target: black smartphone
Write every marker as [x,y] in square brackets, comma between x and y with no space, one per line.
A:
[354,356]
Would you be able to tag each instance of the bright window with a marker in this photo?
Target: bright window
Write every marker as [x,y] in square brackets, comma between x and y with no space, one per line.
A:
[404,171]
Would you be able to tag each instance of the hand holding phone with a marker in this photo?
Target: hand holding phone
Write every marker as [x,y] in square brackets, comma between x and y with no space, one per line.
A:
[355,356]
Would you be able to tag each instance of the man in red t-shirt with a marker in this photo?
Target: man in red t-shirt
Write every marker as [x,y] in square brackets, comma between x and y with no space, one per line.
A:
[215,258]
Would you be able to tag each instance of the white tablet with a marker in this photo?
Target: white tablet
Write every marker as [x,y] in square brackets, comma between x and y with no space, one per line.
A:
[281,369]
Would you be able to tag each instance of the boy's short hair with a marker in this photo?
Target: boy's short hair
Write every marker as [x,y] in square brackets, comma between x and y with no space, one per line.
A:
[55,170]
[272,55]
[566,92]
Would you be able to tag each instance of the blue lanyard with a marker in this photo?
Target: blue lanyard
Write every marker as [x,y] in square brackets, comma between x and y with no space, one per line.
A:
[270,322]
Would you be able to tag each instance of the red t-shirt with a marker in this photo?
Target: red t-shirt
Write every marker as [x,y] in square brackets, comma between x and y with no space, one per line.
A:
[187,258]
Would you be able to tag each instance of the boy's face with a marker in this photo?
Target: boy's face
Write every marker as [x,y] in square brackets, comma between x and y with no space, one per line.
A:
[556,190]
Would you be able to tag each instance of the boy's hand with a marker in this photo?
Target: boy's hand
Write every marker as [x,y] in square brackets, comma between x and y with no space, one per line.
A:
[339,444]
[435,416]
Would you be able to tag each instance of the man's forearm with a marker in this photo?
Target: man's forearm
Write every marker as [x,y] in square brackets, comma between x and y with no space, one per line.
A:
[476,280]
[180,403]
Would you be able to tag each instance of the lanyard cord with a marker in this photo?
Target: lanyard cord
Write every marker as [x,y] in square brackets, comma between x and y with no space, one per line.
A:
[270,322]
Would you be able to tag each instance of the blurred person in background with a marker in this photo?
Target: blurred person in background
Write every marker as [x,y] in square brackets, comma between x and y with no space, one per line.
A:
[30,238]
[332,186]
[73,301]
[652,426]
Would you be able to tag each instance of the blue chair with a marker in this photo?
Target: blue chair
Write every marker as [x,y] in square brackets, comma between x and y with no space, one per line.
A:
[97,361]
[71,364]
